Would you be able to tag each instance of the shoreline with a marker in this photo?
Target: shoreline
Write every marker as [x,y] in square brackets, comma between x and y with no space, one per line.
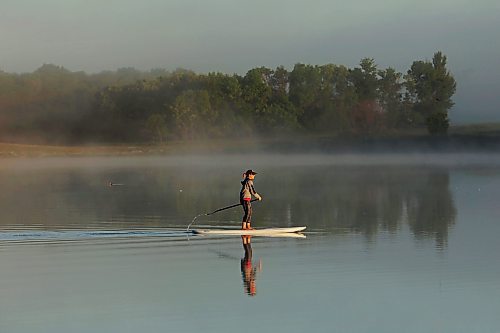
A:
[466,138]
[390,144]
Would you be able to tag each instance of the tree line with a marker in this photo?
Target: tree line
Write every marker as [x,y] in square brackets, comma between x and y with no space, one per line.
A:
[128,105]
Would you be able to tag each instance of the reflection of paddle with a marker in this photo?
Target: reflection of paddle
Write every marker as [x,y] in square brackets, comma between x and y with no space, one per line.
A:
[223,255]
[215,211]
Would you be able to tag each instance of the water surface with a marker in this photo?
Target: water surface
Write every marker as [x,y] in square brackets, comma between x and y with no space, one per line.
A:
[394,244]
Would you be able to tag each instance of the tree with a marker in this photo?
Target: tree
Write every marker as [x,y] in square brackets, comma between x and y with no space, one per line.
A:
[367,114]
[305,85]
[365,81]
[390,96]
[264,92]
[280,81]
[336,99]
[280,115]
[367,117]
[437,123]
[256,89]
[224,90]
[433,86]
[157,126]
[193,115]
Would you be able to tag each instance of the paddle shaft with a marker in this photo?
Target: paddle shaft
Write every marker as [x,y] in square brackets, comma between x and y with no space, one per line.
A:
[224,208]
[215,211]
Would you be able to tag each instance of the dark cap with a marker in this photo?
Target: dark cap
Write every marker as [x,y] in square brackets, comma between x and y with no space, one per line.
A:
[250,172]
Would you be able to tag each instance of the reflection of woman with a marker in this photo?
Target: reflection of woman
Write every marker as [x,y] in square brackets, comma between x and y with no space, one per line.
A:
[248,272]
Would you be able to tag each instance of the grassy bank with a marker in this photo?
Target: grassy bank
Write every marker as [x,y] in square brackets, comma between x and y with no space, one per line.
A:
[24,150]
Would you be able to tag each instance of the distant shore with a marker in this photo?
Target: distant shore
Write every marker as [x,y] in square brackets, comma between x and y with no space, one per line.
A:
[484,138]
[13,150]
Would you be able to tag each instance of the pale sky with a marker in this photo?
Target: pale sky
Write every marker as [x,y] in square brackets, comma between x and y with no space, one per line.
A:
[235,36]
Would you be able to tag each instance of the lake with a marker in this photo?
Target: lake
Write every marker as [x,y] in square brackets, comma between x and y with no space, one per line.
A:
[394,243]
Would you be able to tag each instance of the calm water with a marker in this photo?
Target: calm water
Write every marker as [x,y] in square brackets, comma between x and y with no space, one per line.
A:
[394,244]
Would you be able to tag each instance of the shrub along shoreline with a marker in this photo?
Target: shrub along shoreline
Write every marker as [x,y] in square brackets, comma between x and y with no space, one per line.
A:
[54,105]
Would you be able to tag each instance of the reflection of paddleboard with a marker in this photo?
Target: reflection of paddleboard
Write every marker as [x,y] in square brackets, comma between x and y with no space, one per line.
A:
[255,232]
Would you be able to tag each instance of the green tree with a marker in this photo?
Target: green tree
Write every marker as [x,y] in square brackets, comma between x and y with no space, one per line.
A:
[193,115]
[265,93]
[305,86]
[433,85]
[390,96]
[224,90]
[280,82]
[157,127]
[256,89]
[281,115]
[367,114]
[365,80]
[225,94]
[336,99]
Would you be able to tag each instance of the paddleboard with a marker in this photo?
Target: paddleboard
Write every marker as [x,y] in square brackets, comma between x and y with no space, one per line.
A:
[254,232]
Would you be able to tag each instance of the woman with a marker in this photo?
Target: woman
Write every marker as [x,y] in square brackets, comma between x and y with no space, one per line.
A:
[247,190]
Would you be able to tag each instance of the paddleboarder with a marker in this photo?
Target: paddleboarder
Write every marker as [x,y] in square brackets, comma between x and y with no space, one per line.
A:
[247,190]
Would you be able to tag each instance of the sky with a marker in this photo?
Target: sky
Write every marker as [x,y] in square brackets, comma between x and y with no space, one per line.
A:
[233,36]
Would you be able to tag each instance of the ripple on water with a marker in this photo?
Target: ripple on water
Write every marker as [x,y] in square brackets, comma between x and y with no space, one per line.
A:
[32,236]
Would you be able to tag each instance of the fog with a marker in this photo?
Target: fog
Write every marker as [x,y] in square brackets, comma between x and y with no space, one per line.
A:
[258,161]
[341,193]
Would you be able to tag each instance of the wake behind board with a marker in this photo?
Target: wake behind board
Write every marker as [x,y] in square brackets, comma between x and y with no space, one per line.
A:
[255,232]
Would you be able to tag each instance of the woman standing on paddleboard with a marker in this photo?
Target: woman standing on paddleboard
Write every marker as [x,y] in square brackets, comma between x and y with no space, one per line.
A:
[247,190]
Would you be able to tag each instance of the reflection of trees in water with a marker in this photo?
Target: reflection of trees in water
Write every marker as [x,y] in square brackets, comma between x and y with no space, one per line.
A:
[157,196]
[361,199]
[34,197]
[430,206]
[368,200]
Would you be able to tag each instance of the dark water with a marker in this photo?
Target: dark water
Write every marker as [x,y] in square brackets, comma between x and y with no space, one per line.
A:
[394,244]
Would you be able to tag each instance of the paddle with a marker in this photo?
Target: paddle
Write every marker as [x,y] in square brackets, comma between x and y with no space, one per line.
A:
[215,211]
[224,208]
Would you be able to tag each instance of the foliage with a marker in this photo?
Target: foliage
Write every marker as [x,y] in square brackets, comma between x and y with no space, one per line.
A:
[432,86]
[192,114]
[367,117]
[438,123]
[157,126]
[390,97]
[127,105]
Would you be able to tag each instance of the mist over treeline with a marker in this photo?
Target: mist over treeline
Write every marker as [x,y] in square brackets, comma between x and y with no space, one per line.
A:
[55,105]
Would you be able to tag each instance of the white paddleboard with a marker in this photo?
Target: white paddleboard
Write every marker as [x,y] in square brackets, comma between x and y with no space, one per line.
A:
[254,232]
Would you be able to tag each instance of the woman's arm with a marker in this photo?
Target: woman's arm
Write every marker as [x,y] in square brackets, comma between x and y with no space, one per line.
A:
[253,192]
